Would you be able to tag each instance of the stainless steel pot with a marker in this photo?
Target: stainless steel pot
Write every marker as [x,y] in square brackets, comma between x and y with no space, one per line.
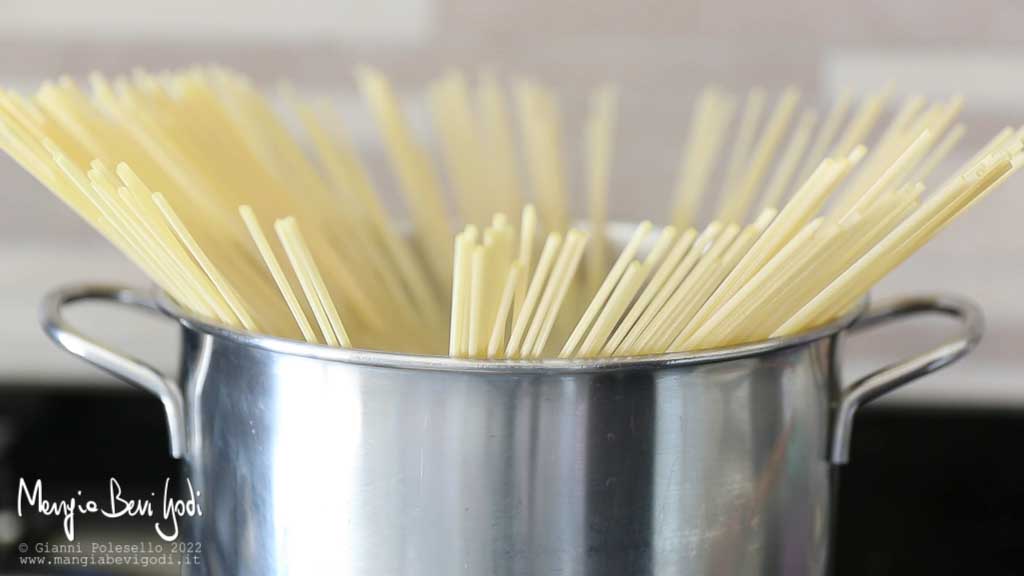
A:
[316,460]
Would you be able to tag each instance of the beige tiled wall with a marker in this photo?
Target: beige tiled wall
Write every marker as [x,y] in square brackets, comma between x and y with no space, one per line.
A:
[660,52]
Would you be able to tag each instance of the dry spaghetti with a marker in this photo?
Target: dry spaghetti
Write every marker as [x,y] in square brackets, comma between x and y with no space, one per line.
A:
[182,171]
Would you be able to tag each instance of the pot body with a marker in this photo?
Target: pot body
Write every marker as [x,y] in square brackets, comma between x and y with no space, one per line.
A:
[307,465]
[314,460]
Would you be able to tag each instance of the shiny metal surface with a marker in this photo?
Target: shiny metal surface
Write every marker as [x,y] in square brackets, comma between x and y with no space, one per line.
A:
[314,460]
[123,366]
[889,378]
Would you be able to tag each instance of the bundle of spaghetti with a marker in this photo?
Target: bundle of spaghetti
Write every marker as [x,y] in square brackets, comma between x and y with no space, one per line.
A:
[487,319]
[801,266]
[185,172]
[829,266]
[208,143]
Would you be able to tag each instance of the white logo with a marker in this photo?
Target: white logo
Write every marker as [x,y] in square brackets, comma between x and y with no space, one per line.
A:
[118,506]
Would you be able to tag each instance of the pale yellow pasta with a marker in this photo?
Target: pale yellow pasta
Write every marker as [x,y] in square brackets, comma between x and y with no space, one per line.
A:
[177,168]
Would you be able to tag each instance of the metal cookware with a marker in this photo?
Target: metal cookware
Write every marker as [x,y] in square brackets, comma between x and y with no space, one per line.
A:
[316,460]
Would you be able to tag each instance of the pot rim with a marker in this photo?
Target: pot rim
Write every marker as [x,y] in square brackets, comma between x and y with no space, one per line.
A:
[401,360]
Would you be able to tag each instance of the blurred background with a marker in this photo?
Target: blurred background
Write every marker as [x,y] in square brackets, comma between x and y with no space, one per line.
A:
[660,54]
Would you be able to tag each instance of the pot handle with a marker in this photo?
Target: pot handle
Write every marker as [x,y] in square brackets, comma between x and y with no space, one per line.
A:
[887,379]
[125,367]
